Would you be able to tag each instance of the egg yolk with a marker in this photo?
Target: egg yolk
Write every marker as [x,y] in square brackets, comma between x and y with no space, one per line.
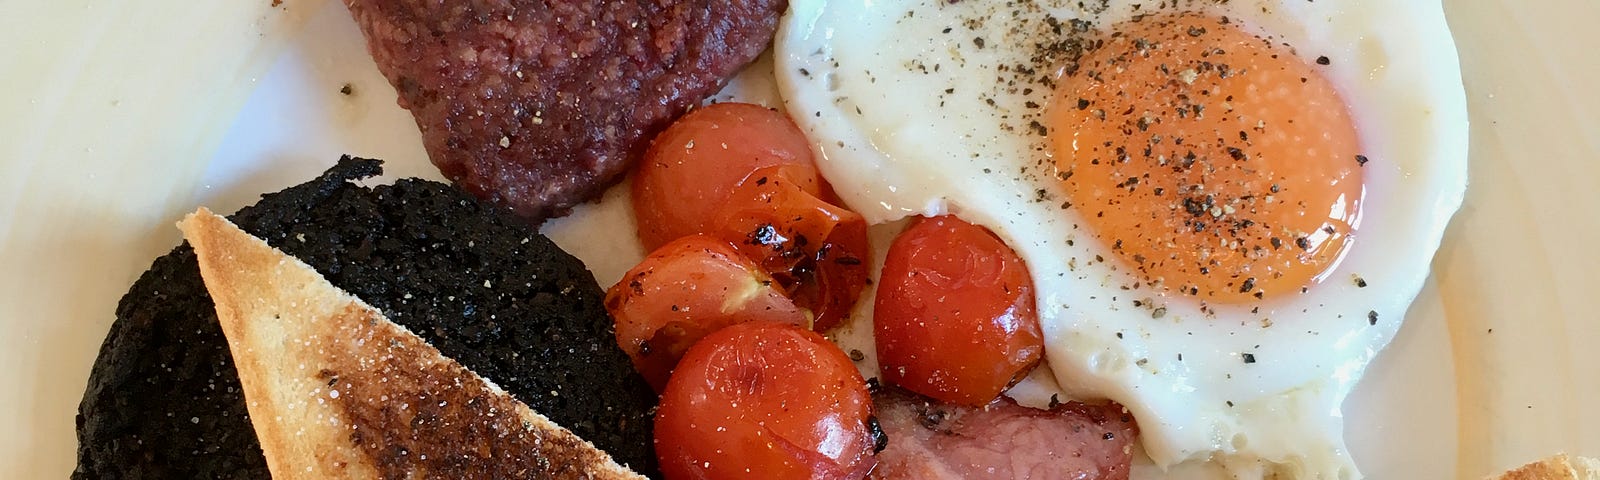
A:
[1215,163]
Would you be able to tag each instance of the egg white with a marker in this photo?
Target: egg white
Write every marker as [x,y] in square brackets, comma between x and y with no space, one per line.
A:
[900,109]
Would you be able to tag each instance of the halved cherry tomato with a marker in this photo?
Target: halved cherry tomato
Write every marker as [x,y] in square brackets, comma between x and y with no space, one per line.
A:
[685,290]
[692,166]
[954,317]
[765,400]
[816,250]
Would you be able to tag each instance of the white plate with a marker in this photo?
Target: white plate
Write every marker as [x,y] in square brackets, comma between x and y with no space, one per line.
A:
[117,116]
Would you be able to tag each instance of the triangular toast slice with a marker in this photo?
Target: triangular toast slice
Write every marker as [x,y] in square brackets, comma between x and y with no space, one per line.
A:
[335,390]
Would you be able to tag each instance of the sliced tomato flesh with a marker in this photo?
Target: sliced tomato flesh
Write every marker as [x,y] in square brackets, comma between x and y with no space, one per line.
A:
[816,250]
[685,290]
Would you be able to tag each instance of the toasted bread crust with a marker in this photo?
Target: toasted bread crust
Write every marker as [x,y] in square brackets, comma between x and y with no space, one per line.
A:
[335,390]
[1557,467]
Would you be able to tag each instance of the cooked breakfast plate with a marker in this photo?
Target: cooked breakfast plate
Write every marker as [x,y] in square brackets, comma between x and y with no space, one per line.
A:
[123,116]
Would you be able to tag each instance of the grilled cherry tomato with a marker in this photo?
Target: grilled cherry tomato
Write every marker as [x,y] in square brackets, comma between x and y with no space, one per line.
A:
[685,290]
[954,317]
[765,400]
[692,166]
[816,250]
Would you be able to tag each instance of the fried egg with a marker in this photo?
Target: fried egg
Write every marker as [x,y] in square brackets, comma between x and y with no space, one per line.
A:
[1226,206]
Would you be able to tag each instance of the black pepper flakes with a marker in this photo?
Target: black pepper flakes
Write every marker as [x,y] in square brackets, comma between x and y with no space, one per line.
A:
[1361,160]
[1236,153]
[1248,357]
[1372,317]
[1039,128]
[1323,60]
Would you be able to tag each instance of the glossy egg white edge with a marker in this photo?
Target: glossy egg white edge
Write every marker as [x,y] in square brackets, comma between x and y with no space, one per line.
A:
[890,154]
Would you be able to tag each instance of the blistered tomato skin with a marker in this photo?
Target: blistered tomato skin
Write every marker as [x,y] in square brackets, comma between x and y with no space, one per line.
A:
[817,250]
[685,290]
[691,167]
[765,400]
[954,317]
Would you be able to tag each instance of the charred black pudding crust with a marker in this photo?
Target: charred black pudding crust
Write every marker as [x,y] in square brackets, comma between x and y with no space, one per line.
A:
[164,401]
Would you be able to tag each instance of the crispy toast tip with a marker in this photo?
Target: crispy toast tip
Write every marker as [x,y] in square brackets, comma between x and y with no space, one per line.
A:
[1556,467]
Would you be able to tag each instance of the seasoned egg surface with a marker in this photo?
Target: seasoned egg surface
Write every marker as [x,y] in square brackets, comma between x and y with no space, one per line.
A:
[1226,206]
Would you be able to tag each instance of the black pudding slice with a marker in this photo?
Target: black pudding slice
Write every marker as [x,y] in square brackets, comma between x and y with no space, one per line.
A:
[489,291]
